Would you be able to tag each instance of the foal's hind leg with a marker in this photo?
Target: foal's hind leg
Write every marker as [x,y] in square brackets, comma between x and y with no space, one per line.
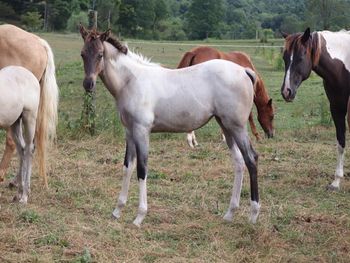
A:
[191,139]
[238,161]
[18,139]
[29,123]
[14,182]
[129,165]
[6,158]
[240,136]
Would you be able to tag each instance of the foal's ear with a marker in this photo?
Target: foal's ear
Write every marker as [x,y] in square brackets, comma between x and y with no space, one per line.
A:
[269,103]
[306,36]
[284,34]
[83,31]
[104,36]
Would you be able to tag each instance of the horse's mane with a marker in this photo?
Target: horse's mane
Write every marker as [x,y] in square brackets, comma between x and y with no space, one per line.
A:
[313,47]
[110,38]
[142,59]
[117,44]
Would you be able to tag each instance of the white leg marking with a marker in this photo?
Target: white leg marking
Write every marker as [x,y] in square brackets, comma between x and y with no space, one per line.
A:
[237,184]
[142,203]
[123,196]
[191,139]
[194,139]
[254,211]
[339,172]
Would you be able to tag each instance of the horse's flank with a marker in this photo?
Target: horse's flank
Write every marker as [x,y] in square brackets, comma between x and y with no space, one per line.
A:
[261,99]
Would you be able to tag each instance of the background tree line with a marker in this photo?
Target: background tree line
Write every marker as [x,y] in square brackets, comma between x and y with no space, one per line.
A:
[181,19]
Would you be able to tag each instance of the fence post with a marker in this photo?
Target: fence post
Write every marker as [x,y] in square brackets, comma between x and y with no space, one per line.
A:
[88,115]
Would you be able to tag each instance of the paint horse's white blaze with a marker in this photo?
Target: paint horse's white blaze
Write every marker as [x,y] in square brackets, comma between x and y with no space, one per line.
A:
[19,103]
[151,98]
[287,80]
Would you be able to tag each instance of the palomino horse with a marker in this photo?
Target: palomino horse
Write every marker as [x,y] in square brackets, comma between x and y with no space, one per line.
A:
[24,103]
[151,98]
[328,54]
[262,100]
[18,47]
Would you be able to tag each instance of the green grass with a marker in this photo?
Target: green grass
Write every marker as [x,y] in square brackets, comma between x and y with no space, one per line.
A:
[188,190]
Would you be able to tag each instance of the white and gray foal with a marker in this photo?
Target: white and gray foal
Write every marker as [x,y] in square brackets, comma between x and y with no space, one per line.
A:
[151,98]
[19,102]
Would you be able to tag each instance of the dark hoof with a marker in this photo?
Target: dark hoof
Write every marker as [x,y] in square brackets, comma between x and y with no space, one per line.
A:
[15,199]
[332,188]
[12,185]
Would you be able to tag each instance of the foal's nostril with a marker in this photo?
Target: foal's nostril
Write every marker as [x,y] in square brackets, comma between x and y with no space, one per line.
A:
[289,92]
[88,84]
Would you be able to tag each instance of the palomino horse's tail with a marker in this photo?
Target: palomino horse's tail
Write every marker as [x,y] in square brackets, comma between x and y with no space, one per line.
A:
[47,113]
[186,60]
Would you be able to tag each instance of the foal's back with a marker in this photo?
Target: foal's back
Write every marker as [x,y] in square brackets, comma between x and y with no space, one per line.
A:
[20,91]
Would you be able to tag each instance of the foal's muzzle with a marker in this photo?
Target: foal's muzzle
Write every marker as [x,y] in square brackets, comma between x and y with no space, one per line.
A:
[89,84]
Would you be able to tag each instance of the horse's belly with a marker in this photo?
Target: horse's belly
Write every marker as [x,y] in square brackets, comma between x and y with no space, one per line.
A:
[179,121]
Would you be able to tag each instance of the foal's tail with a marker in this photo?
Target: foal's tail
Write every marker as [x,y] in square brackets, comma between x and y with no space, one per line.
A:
[47,113]
[186,60]
[252,75]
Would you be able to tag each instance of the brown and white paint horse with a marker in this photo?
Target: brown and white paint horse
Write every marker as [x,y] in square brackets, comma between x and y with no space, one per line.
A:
[20,48]
[328,54]
[262,100]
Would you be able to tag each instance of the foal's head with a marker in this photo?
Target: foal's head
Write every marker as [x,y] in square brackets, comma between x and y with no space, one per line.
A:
[301,54]
[93,53]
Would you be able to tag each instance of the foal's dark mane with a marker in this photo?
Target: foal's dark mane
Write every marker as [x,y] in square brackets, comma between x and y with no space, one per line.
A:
[109,37]
[313,45]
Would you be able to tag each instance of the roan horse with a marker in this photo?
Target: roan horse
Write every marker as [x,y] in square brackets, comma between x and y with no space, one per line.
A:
[328,54]
[151,98]
[262,100]
[18,47]
[24,104]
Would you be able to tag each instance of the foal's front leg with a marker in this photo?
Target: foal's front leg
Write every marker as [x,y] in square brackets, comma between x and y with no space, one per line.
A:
[141,139]
[129,165]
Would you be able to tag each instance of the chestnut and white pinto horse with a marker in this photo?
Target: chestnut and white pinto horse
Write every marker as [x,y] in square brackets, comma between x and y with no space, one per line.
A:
[328,54]
[23,105]
[21,48]
[151,98]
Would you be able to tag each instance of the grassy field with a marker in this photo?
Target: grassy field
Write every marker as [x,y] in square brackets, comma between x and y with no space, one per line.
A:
[188,190]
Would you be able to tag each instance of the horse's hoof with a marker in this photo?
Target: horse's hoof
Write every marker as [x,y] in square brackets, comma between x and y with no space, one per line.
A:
[12,185]
[15,199]
[116,214]
[228,217]
[331,187]
[137,223]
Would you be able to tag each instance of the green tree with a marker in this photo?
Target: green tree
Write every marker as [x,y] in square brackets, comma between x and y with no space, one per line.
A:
[127,22]
[328,14]
[203,18]
[32,20]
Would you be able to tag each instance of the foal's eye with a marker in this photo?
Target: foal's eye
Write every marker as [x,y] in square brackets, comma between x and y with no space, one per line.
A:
[100,56]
